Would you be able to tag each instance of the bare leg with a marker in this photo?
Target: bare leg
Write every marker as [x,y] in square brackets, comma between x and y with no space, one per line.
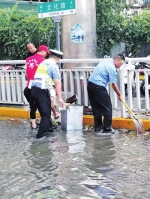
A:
[53,108]
[33,123]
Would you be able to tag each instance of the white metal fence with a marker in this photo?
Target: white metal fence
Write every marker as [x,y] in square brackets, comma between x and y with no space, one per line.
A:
[74,81]
[12,84]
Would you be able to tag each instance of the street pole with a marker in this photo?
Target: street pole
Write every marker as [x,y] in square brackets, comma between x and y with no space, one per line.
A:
[57,36]
[57,20]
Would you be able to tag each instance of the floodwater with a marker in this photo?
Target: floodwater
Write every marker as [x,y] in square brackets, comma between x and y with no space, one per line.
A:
[72,165]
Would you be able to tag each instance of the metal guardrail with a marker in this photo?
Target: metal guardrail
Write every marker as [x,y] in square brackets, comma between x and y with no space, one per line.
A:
[74,81]
[12,84]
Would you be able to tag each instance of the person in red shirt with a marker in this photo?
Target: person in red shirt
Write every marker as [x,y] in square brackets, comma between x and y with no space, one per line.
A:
[32,63]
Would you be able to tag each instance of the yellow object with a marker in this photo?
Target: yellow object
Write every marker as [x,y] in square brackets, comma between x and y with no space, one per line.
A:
[141,77]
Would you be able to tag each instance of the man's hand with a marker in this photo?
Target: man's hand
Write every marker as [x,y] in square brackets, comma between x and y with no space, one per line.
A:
[120,97]
[61,102]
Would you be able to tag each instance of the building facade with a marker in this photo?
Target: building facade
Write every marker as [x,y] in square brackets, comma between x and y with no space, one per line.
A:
[137,6]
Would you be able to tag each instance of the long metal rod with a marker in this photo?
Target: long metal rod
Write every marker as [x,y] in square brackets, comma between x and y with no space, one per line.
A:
[78,61]
[57,36]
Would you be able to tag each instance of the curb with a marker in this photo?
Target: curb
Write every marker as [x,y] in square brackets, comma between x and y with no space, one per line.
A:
[117,122]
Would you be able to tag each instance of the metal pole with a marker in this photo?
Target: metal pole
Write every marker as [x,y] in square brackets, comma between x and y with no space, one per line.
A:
[57,36]
[57,20]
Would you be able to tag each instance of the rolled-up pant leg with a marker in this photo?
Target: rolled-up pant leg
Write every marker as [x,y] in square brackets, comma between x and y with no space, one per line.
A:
[101,105]
[42,99]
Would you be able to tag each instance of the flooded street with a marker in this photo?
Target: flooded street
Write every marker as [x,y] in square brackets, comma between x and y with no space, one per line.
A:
[72,165]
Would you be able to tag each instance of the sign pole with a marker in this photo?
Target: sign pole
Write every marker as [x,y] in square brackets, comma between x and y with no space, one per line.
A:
[56,10]
[57,36]
[57,20]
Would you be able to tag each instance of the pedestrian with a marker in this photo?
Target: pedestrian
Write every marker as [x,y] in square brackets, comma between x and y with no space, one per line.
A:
[32,63]
[46,76]
[31,49]
[104,73]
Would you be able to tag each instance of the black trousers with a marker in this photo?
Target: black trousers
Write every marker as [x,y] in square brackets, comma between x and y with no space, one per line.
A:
[43,102]
[32,104]
[101,105]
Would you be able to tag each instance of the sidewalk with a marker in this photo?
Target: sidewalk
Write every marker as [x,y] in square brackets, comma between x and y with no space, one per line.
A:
[118,122]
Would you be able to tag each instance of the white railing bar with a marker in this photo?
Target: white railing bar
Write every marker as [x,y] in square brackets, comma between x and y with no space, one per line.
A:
[85,88]
[72,83]
[146,91]
[23,79]
[8,94]
[130,96]
[78,86]
[13,90]
[122,89]
[2,80]
[80,60]
[12,62]
[137,89]
[18,87]
[137,59]
[65,84]
[89,69]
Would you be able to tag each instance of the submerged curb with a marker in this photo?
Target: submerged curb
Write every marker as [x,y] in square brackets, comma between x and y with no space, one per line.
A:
[117,122]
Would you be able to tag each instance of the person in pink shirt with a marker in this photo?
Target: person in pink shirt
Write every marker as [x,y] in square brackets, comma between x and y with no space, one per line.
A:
[32,63]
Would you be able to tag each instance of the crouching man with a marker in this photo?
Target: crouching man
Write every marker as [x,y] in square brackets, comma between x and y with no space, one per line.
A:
[45,77]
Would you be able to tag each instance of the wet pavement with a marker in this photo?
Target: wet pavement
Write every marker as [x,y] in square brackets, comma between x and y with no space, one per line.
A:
[72,164]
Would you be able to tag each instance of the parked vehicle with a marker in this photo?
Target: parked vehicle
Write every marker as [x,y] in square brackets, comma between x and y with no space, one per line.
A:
[143,65]
[5,67]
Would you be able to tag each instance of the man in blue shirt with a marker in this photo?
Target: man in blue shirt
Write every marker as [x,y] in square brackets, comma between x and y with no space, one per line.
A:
[104,73]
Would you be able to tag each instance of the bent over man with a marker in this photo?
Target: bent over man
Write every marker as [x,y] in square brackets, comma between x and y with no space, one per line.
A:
[32,63]
[104,73]
[46,76]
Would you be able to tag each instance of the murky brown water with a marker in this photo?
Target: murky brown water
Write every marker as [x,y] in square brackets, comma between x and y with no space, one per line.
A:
[72,165]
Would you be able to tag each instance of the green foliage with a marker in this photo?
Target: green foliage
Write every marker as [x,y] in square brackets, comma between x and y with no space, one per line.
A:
[109,24]
[17,27]
[137,32]
[113,28]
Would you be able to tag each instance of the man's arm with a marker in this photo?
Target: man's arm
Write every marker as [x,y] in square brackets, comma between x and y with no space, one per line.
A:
[116,89]
[58,91]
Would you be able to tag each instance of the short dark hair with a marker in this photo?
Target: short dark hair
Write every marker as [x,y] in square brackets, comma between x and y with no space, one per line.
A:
[30,42]
[120,56]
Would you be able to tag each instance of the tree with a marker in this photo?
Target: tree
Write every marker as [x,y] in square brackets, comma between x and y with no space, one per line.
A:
[109,24]
[17,27]
[137,32]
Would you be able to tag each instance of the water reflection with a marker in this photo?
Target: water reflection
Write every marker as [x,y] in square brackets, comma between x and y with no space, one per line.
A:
[98,164]
[76,141]
[72,165]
